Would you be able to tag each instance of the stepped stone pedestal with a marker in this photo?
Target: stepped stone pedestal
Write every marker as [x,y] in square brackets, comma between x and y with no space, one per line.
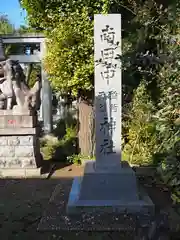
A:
[110,191]
[19,144]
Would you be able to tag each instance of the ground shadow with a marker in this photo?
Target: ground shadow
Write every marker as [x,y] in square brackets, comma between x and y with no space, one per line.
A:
[50,167]
[23,202]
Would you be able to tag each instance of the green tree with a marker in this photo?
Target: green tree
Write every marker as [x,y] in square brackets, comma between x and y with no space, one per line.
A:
[154,52]
[6,28]
[68,26]
[24,29]
[151,50]
[5,25]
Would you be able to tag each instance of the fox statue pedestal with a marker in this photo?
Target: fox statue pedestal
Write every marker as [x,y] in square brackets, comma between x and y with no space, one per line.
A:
[19,144]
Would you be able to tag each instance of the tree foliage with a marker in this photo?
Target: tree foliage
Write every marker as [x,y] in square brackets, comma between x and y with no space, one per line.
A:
[142,135]
[25,29]
[153,56]
[68,26]
[5,25]
[151,67]
[69,60]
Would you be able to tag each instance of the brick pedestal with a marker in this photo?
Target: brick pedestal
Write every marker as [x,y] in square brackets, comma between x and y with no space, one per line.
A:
[19,144]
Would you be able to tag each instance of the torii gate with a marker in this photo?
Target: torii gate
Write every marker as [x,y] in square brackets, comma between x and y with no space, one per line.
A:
[35,39]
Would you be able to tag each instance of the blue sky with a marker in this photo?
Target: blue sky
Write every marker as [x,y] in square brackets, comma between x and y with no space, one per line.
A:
[15,14]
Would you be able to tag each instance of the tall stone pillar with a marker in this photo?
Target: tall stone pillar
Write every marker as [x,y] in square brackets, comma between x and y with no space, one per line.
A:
[107,185]
[46,100]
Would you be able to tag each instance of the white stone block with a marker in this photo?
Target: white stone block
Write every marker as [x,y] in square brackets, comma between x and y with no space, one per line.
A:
[28,163]
[7,151]
[13,140]
[15,173]
[3,141]
[27,140]
[24,151]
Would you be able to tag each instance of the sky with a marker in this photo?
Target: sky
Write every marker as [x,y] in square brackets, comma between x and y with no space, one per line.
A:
[12,9]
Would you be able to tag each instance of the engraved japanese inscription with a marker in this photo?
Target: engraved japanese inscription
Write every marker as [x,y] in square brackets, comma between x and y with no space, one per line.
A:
[108,88]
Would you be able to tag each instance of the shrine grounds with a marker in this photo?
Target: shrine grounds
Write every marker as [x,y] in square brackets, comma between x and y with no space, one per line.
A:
[23,202]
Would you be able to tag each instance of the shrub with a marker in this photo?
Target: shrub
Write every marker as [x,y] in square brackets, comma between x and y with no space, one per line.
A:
[169,170]
[49,145]
[141,137]
[55,148]
[78,159]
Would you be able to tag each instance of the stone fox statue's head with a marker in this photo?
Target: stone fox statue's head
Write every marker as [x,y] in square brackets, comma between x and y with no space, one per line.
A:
[18,73]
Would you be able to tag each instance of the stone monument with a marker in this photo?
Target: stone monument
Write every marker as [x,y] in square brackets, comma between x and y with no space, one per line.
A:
[107,185]
[19,144]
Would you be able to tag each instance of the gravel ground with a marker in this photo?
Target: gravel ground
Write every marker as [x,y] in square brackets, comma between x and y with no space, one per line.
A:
[22,203]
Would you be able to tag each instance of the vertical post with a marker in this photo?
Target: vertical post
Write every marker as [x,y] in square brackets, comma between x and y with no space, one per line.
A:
[41,109]
[2,55]
[46,95]
[9,85]
[107,41]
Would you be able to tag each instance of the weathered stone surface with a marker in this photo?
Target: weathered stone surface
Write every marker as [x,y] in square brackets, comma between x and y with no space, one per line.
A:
[17,151]
[6,162]
[27,140]
[13,121]
[18,140]
[2,162]
[28,163]
[19,156]
[24,151]
[21,140]
[21,173]
[13,140]
[7,151]
[10,172]
[33,172]
[3,141]
[18,131]
[16,112]
[19,143]
[14,162]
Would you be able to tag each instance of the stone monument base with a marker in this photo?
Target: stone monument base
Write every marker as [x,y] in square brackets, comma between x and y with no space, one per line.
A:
[117,205]
[109,191]
[19,144]
[21,173]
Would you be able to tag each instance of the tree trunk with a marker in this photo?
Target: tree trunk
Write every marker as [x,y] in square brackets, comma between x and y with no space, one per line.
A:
[28,73]
[86,129]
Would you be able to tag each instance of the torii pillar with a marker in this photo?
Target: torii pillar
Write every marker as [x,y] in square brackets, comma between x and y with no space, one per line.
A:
[46,95]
